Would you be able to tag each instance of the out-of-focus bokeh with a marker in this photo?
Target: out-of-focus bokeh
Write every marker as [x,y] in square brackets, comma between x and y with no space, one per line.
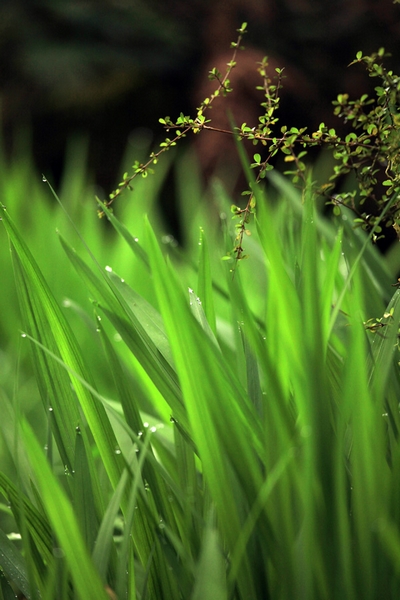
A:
[108,67]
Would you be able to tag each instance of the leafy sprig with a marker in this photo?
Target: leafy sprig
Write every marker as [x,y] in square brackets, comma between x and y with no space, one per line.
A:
[183,125]
[369,150]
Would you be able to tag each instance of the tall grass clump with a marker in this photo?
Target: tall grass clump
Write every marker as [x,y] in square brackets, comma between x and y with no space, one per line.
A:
[194,429]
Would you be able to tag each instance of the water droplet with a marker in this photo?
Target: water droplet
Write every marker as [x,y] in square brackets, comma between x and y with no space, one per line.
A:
[122,280]
[170,240]
[117,450]
[153,429]
[44,179]
[145,424]
[23,335]
[117,337]
[109,269]
[98,318]
[140,433]
[45,447]
[78,429]
[66,303]
[50,409]
[135,239]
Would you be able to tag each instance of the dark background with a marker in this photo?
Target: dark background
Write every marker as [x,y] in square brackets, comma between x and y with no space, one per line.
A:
[108,67]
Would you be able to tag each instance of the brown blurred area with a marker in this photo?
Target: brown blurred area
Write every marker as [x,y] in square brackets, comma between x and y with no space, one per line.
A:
[108,67]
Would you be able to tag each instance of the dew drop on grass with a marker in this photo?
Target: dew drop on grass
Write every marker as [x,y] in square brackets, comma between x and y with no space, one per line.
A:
[23,335]
[44,179]
[153,429]
[50,409]
[108,269]
[117,450]
[135,239]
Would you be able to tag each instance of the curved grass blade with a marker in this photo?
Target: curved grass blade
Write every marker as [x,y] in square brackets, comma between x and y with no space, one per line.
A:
[36,522]
[47,324]
[383,346]
[61,515]
[222,422]
[115,307]
[13,565]
[204,282]
[132,242]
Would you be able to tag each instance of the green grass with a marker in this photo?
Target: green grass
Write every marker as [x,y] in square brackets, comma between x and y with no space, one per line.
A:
[173,431]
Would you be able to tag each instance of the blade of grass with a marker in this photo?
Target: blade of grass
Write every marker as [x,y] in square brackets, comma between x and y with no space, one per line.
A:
[13,565]
[210,583]
[61,515]
[204,282]
[215,404]
[132,332]
[383,347]
[132,242]
[48,325]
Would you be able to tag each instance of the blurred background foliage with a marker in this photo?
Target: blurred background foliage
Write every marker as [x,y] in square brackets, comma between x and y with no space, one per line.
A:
[105,68]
